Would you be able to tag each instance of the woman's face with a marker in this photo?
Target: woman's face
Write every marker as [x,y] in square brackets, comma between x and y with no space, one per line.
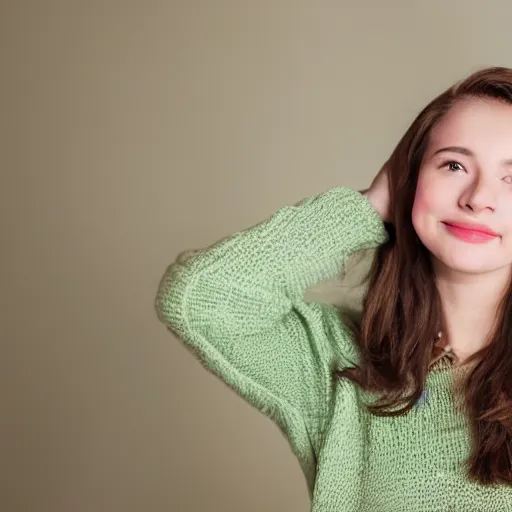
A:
[462,209]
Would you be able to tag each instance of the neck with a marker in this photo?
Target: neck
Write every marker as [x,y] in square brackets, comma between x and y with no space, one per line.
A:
[469,304]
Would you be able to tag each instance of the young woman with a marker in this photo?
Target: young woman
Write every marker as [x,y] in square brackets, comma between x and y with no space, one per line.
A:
[409,409]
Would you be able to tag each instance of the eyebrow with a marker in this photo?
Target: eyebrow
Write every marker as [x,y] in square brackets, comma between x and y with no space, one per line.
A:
[465,151]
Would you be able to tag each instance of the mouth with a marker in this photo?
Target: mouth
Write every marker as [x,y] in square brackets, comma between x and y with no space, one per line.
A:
[470,233]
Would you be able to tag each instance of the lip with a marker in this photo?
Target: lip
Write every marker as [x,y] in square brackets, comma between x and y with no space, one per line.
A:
[471,232]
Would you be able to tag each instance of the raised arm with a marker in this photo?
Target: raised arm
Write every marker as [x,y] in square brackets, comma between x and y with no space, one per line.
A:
[238,306]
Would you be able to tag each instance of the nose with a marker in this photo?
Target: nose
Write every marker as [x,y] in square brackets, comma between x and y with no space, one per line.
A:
[478,196]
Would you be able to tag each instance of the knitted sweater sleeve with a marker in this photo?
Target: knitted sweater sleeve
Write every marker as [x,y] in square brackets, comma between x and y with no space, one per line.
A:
[238,306]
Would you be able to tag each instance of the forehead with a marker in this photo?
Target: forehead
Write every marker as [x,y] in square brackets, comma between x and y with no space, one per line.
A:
[481,125]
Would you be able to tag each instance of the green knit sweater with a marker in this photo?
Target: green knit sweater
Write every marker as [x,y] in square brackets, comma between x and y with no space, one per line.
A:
[239,306]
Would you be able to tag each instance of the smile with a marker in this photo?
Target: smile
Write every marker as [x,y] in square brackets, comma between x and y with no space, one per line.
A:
[466,234]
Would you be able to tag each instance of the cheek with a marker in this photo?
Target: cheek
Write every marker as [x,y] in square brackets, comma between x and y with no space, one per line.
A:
[430,200]
[421,206]
[508,213]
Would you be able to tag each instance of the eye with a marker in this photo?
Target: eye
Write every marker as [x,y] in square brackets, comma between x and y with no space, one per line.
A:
[453,166]
[508,179]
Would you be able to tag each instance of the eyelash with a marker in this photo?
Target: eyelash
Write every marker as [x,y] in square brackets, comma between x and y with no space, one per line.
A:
[450,162]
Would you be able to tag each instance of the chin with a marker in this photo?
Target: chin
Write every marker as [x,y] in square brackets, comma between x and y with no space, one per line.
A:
[465,268]
[465,263]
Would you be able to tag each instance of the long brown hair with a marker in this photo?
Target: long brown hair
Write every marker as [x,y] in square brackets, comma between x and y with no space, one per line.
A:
[402,309]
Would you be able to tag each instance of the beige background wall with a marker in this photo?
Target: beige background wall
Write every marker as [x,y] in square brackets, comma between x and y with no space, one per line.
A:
[133,130]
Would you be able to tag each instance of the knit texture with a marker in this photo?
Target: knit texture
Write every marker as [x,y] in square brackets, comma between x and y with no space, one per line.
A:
[239,306]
